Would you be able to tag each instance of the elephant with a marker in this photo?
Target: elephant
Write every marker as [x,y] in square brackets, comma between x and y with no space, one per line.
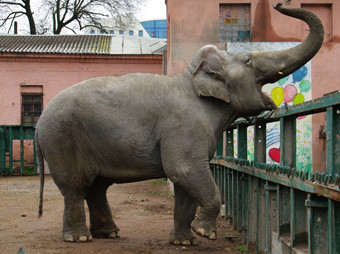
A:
[135,127]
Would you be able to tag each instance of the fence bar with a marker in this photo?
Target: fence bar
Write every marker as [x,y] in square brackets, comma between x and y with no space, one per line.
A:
[230,143]
[260,142]
[22,148]
[288,141]
[10,151]
[2,151]
[242,141]
[219,151]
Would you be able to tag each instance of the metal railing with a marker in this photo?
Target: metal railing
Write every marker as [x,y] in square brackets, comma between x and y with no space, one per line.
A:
[9,133]
[275,207]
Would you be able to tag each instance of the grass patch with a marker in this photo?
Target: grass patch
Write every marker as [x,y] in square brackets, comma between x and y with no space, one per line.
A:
[160,182]
[242,248]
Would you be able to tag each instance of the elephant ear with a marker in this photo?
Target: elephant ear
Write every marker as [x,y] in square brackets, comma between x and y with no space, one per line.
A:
[208,79]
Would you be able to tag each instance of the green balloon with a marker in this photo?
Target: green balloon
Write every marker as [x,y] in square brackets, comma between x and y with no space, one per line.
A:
[283,80]
[305,85]
[299,98]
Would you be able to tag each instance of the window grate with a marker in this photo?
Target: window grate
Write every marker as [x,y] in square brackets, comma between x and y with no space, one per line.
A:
[234,23]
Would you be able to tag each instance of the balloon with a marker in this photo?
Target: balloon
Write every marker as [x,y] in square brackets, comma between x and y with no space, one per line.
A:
[299,98]
[274,154]
[305,85]
[283,80]
[277,95]
[300,74]
[300,117]
[290,93]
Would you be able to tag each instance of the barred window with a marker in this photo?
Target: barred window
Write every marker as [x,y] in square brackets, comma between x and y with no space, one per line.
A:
[234,22]
[31,108]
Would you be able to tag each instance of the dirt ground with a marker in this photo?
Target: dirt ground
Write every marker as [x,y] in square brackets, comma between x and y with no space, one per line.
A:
[143,211]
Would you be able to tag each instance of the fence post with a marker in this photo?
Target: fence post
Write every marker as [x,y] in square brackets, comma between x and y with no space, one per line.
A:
[333,141]
[2,150]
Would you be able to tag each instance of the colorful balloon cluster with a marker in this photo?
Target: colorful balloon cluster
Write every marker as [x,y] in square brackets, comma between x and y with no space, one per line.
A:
[289,93]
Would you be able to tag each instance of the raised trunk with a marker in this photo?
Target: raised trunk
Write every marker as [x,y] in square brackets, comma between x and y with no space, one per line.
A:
[285,62]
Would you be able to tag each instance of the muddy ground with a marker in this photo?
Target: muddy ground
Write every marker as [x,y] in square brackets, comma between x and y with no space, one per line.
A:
[143,211]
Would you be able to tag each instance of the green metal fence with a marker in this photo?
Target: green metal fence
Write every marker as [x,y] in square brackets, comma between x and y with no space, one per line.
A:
[276,208]
[9,133]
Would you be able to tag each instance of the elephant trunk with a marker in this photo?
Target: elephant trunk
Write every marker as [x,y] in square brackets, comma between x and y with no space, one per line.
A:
[285,62]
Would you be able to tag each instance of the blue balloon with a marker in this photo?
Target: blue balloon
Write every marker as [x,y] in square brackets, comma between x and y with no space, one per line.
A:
[300,74]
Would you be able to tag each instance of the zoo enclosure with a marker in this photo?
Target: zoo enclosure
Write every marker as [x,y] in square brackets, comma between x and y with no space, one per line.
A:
[276,208]
[9,133]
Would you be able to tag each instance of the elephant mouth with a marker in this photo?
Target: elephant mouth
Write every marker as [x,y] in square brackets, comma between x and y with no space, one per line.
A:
[269,103]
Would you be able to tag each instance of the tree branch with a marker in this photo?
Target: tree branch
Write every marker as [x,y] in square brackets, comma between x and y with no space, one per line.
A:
[12,3]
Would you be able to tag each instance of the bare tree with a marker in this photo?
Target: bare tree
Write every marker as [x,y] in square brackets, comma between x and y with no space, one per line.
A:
[66,14]
[88,13]
[11,10]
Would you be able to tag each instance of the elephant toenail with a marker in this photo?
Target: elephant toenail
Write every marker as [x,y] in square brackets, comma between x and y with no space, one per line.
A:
[200,231]
[212,236]
[82,238]
[186,242]
[69,239]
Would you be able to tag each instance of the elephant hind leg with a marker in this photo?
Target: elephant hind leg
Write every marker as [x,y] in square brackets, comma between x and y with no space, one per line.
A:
[74,225]
[102,224]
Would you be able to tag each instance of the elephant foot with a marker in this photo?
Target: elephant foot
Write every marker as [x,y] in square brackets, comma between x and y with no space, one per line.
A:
[205,228]
[77,237]
[106,233]
[182,239]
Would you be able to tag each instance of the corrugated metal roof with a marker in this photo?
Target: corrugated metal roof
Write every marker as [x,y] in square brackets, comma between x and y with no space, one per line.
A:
[80,44]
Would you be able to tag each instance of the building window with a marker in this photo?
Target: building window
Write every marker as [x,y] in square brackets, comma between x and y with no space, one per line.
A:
[31,108]
[140,33]
[102,32]
[131,33]
[234,22]
[121,32]
[92,31]
[112,32]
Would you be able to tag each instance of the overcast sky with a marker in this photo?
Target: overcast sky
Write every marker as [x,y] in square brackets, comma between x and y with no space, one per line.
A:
[153,9]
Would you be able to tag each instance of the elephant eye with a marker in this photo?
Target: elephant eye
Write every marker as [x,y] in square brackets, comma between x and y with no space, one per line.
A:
[248,62]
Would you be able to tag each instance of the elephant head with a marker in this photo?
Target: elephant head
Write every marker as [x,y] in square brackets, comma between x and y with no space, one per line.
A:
[237,78]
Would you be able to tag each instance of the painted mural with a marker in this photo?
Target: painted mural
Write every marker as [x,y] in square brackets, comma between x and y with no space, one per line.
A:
[290,90]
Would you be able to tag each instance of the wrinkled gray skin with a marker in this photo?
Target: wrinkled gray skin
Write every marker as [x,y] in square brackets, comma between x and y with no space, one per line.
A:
[142,126]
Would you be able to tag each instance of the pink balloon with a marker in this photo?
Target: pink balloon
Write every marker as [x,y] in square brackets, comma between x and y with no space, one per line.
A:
[290,93]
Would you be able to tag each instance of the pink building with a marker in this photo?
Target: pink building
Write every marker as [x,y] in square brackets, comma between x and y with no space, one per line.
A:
[194,23]
[33,69]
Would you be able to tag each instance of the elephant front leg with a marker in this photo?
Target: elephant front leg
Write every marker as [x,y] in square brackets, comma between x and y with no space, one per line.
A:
[210,203]
[185,209]
[199,184]
[74,225]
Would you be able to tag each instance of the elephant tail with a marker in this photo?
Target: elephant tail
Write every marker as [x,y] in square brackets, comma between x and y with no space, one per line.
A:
[40,159]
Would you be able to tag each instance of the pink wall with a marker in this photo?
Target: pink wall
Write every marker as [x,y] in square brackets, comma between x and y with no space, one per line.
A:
[194,23]
[57,72]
